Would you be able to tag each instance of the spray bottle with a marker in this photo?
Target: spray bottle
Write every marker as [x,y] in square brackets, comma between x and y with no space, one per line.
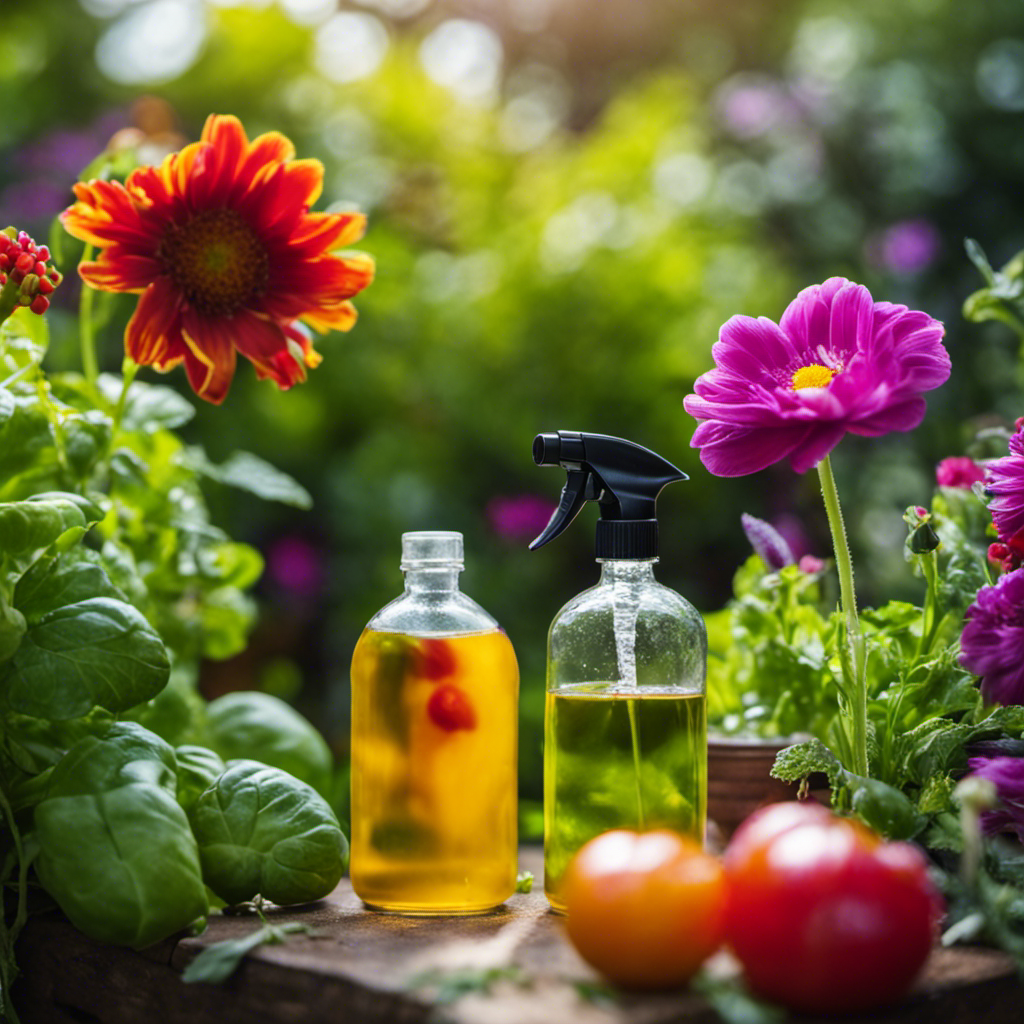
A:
[625,743]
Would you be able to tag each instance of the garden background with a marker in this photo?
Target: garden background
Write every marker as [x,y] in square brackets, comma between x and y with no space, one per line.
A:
[565,200]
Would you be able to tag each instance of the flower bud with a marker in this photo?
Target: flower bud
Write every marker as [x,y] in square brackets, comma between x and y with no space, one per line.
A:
[923,539]
[767,542]
[29,286]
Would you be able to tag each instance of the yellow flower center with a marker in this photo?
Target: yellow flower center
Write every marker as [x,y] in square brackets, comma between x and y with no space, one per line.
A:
[217,260]
[813,376]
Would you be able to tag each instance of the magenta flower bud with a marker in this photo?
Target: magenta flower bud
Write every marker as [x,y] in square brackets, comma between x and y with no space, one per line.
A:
[767,542]
[810,564]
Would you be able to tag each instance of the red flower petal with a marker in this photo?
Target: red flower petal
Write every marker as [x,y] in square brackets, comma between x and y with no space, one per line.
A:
[119,271]
[338,318]
[210,360]
[155,323]
[321,232]
[264,343]
[104,215]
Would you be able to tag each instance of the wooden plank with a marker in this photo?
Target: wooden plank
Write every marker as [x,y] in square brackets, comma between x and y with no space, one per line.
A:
[360,968]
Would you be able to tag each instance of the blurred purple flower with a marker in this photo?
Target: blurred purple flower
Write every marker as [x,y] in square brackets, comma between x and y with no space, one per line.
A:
[296,565]
[958,471]
[907,247]
[519,516]
[1007,775]
[32,202]
[767,542]
[64,153]
[992,643]
[835,362]
[750,105]
[1004,480]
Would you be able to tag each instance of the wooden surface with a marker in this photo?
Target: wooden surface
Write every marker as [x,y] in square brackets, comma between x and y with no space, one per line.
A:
[361,968]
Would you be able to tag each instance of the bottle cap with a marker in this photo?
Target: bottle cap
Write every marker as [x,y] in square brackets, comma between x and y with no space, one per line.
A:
[431,549]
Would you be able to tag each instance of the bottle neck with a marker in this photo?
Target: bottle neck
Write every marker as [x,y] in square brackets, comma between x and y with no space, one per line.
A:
[627,570]
[437,579]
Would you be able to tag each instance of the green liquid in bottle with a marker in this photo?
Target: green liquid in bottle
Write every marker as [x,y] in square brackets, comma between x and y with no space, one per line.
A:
[633,759]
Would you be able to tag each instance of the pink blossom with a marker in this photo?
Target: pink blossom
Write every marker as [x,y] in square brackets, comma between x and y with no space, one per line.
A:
[836,362]
[958,471]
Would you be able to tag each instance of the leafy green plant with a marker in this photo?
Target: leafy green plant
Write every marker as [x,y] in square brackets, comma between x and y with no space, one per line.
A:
[262,832]
[114,583]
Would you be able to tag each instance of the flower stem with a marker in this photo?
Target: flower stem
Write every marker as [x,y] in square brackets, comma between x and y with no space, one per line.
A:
[857,695]
[128,370]
[86,334]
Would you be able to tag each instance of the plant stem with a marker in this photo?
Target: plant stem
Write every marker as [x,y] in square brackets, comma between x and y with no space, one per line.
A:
[86,334]
[857,710]
[128,370]
[9,295]
[930,618]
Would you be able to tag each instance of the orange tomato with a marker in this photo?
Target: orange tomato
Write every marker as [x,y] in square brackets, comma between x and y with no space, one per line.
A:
[646,909]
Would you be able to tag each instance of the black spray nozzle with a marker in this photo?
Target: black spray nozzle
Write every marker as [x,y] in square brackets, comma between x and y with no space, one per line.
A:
[625,480]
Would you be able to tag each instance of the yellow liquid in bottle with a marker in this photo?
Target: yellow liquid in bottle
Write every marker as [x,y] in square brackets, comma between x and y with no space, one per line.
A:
[434,751]
[616,761]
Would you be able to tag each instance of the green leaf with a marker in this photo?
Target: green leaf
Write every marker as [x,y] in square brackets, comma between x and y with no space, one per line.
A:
[148,407]
[216,963]
[26,442]
[30,525]
[524,881]
[198,769]
[121,754]
[251,724]
[12,629]
[250,473]
[795,763]
[53,582]
[261,831]
[86,440]
[98,651]
[116,851]
[26,325]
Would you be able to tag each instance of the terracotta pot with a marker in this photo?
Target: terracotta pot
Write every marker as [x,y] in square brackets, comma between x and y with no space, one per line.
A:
[739,780]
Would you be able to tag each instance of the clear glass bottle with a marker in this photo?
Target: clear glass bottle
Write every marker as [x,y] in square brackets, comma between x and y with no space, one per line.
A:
[625,722]
[435,691]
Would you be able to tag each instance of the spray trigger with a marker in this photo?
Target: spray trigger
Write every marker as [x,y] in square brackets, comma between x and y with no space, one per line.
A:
[580,487]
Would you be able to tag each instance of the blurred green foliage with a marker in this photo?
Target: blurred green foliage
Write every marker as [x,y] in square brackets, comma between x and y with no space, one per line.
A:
[559,252]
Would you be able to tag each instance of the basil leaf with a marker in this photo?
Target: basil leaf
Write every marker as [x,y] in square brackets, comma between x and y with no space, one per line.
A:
[99,651]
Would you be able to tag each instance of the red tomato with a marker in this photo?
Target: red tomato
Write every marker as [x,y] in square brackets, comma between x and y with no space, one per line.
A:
[823,915]
[645,909]
[450,709]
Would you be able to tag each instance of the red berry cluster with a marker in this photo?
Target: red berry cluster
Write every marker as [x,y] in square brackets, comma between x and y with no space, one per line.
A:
[23,263]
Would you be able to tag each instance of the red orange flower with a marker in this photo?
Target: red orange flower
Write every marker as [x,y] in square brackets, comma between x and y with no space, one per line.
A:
[219,243]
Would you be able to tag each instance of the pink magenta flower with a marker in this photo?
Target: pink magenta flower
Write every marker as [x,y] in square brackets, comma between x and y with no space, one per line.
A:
[992,643]
[1004,480]
[958,471]
[836,362]
[1007,775]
